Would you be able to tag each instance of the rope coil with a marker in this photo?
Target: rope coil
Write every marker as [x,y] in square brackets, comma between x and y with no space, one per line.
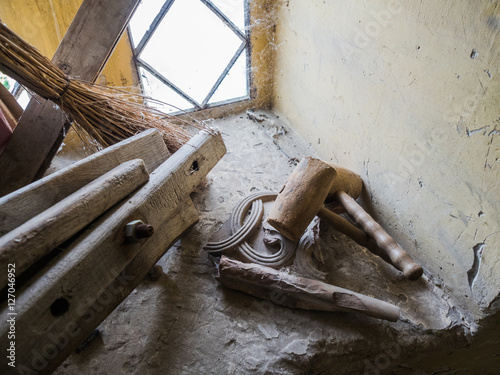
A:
[241,229]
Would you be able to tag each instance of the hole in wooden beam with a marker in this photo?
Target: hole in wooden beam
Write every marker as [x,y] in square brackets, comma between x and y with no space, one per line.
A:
[59,306]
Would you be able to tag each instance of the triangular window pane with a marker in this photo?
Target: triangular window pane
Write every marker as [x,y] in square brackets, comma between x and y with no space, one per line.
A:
[235,83]
[234,10]
[157,90]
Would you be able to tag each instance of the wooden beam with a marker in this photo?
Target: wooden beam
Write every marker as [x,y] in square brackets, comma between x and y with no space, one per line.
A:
[29,242]
[74,333]
[21,205]
[83,52]
[56,299]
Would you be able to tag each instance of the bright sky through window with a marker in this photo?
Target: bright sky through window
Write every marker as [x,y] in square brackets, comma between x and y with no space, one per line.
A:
[191,51]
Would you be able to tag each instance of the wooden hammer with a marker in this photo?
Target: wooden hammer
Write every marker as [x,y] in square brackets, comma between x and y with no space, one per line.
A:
[302,198]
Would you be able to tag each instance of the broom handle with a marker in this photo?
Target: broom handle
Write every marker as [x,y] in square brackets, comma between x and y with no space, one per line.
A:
[399,258]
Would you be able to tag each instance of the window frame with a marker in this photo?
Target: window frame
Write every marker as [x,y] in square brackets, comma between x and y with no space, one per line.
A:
[245,45]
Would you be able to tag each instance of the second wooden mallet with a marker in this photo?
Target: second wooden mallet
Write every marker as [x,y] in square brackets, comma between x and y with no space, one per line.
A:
[302,198]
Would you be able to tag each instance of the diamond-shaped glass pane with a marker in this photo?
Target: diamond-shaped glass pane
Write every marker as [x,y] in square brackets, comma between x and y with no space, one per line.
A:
[235,83]
[191,47]
[157,90]
[143,17]
[234,10]
[24,99]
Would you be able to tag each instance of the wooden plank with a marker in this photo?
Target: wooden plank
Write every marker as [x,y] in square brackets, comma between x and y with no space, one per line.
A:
[55,299]
[83,52]
[25,203]
[92,37]
[27,146]
[74,333]
[29,242]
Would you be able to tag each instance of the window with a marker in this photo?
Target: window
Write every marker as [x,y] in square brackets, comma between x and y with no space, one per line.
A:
[16,90]
[192,54]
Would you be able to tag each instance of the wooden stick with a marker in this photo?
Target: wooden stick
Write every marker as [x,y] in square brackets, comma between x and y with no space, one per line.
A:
[28,243]
[399,258]
[299,292]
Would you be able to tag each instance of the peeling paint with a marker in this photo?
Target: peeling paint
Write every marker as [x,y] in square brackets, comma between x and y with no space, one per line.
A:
[472,132]
[474,270]
[494,132]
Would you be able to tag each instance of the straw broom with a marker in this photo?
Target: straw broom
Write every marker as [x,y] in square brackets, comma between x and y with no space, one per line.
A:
[107,114]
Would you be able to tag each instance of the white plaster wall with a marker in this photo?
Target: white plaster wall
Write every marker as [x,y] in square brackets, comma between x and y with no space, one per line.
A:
[408,95]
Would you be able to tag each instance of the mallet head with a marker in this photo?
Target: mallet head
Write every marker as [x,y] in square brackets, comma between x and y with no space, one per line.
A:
[301,198]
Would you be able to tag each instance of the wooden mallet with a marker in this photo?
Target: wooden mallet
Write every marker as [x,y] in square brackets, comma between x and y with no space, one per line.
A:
[302,198]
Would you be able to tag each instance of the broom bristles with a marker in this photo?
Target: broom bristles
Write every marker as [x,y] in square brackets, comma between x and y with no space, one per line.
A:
[107,114]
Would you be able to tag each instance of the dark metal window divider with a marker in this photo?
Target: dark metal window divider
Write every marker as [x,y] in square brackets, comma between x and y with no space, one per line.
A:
[249,48]
[224,19]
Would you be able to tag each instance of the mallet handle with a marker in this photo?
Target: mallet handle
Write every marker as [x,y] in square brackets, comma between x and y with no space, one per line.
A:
[359,236]
[399,258]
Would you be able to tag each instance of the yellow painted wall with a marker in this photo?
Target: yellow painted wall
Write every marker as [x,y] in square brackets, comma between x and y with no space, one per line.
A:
[407,94]
[43,23]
